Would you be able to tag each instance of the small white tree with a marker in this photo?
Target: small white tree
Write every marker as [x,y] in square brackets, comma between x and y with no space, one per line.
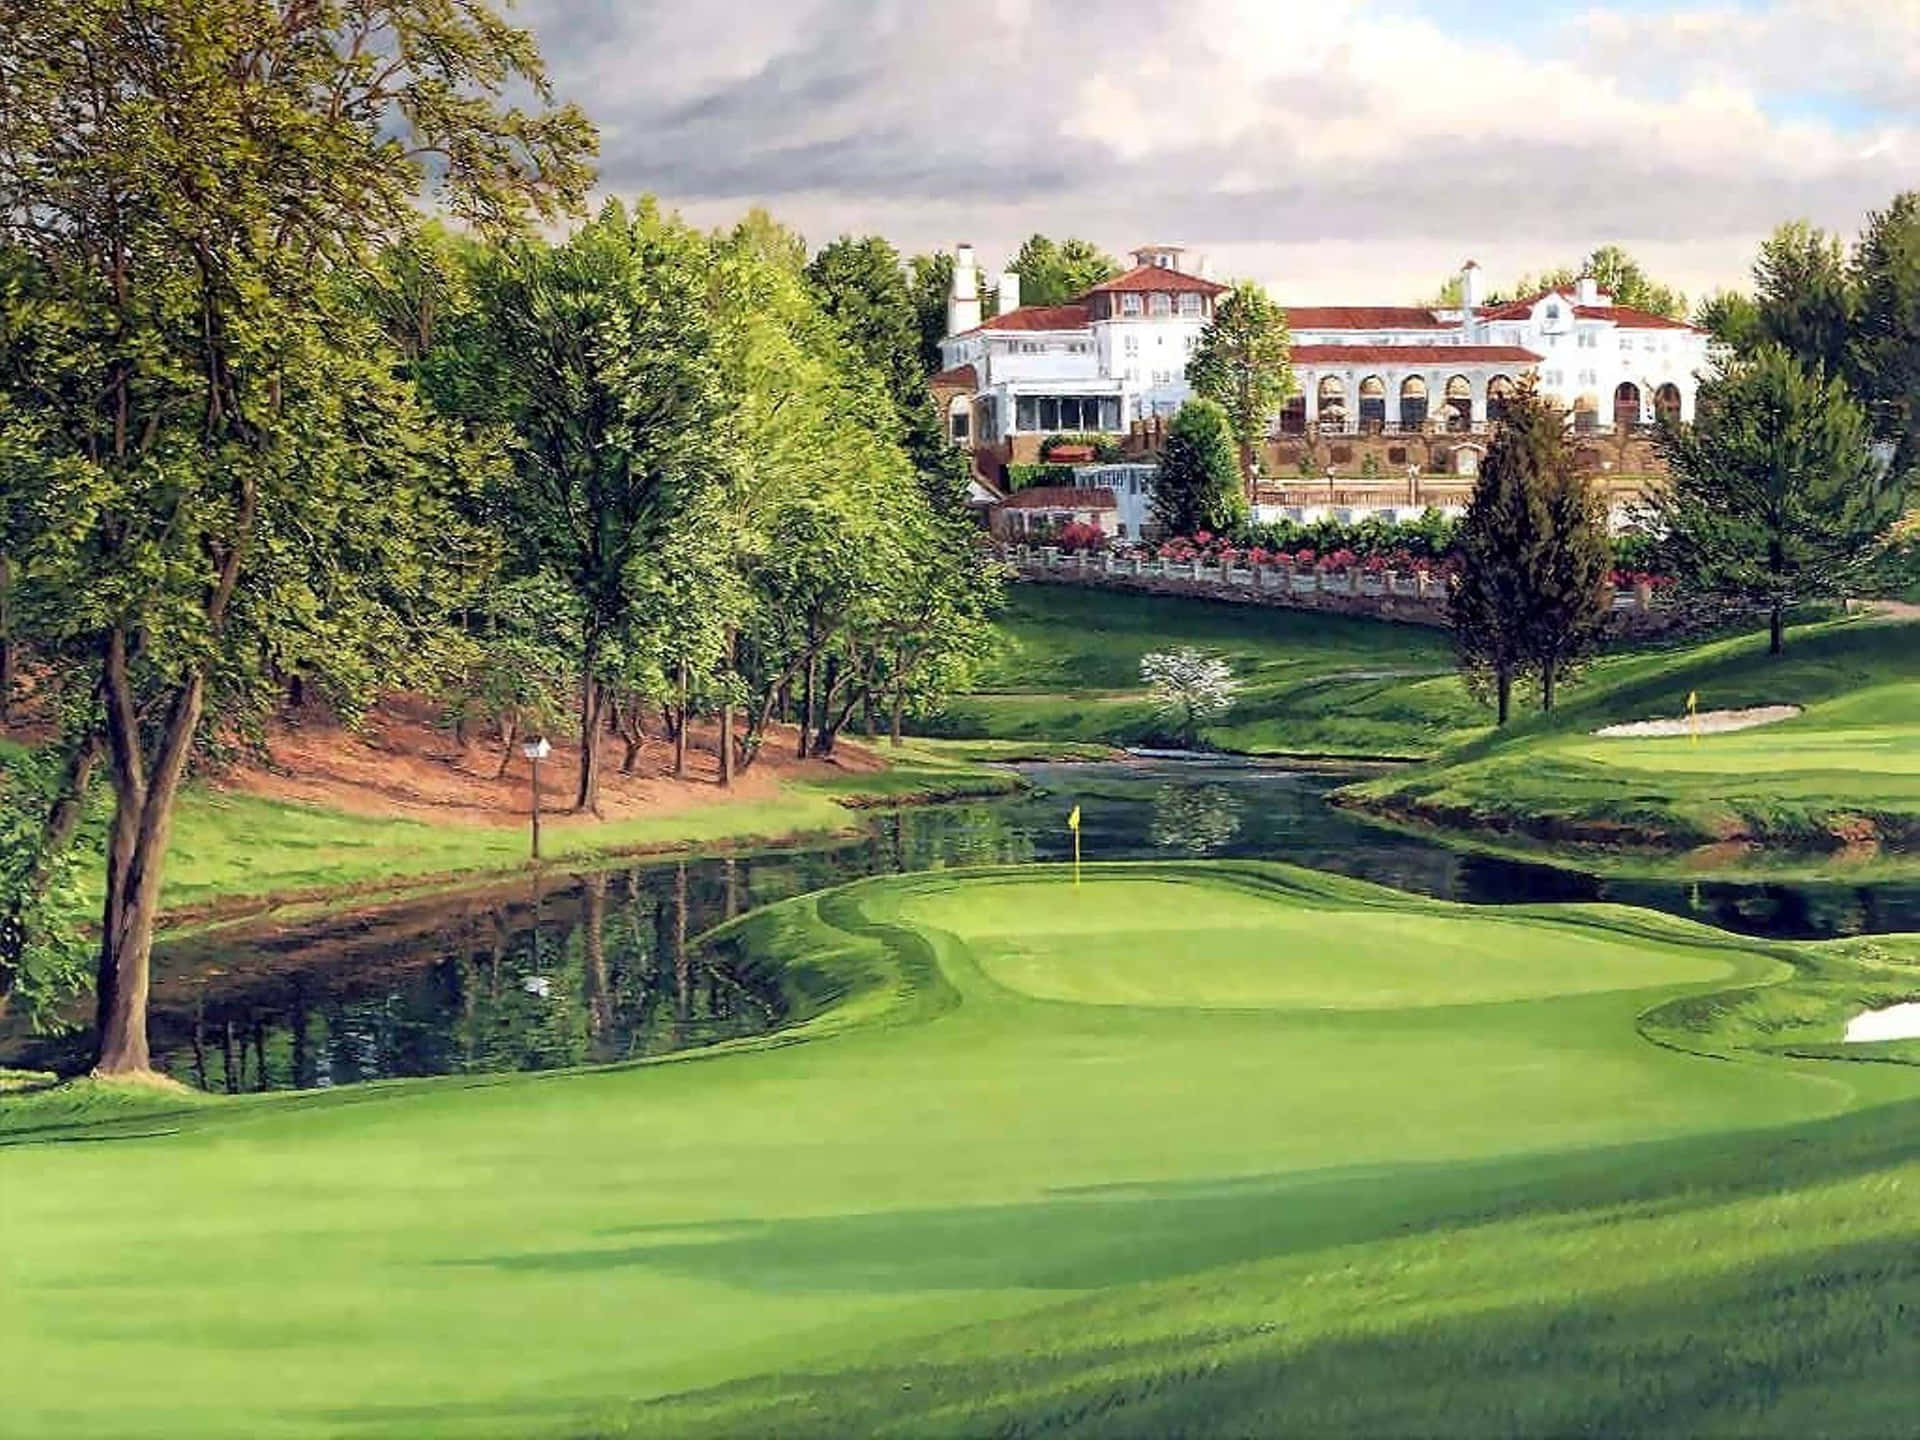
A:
[1189,687]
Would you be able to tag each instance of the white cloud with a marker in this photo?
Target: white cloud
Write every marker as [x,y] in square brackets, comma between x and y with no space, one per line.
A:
[1285,132]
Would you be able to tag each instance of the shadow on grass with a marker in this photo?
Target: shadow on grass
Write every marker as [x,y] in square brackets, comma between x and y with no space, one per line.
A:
[1139,1234]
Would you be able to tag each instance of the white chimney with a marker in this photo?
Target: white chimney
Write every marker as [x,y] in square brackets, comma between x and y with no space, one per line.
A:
[1470,297]
[963,302]
[1009,291]
[1587,290]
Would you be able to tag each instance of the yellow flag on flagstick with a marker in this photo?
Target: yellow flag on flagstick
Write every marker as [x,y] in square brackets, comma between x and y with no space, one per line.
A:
[1073,824]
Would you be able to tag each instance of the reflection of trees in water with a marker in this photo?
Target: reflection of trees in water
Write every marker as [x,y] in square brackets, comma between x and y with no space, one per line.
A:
[604,971]
[1195,818]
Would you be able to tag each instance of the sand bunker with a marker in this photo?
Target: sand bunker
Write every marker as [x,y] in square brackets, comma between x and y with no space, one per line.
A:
[1896,1022]
[1709,722]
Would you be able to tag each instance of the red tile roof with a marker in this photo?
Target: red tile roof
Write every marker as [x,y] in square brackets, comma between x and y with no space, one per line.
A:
[1440,355]
[1625,316]
[1628,318]
[1039,317]
[961,377]
[1158,277]
[1060,497]
[1363,317]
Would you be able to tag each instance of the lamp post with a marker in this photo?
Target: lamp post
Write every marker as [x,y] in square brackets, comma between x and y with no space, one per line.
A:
[536,751]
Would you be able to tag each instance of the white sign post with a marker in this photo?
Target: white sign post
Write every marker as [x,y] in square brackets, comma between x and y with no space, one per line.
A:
[536,751]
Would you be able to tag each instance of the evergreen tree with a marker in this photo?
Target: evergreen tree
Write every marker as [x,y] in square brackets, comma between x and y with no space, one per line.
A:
[1775,494]
[1885,353]
[1244,364]
[1805,297]
[1198,487]
[1530,598]
[931,281]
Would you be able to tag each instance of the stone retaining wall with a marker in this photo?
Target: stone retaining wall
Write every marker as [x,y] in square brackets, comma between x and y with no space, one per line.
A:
[1415,599]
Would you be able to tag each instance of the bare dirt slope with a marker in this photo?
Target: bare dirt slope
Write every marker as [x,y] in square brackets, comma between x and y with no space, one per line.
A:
[400,762]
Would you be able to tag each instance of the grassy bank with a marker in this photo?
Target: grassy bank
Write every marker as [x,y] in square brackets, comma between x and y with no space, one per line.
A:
[1068,668]
[1842,776]
[231,850]
[1194,1149]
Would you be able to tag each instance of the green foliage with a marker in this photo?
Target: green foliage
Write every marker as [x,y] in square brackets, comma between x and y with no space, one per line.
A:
[1199,487]
[1804,296]
[1056,272]
[1616,272]
[1731,318]
[1244,364]
[254,495]
[1433,535]
[930,280]
[1025,477]
[1885,356]
[1775,495]
[45,955]
[1529,596]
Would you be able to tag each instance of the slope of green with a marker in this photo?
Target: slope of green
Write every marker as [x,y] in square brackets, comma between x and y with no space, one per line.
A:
[1846,770]
[1068,668]
[987,1187]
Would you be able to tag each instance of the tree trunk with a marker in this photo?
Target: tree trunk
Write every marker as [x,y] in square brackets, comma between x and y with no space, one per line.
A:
[1548,674]
[1503,691]
[6,642]
[899,713]
[136,857]
[726,744]
[587,797]
[1777,630]
[509,731]
[680,720]
[806,706]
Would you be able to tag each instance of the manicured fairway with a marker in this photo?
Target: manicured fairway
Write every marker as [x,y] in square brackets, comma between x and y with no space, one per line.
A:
[1196,1149]
[1847,768]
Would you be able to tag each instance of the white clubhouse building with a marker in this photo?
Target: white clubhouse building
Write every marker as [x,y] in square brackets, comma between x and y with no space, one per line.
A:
[1118,355]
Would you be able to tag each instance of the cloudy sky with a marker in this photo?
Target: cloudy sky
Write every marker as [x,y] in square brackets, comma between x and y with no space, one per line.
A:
[1339,150]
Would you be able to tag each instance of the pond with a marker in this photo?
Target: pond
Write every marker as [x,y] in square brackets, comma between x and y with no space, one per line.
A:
[600,966]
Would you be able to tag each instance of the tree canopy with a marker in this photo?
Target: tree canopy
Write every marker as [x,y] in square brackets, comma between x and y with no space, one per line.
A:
[1615,270]
[1775,493]
[1244,364]
[1198,485]
[1055,272]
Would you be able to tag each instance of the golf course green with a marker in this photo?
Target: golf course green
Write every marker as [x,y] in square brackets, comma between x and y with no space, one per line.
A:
[1220,1148]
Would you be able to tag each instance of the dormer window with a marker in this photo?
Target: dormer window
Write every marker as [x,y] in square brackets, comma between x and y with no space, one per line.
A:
[1129,304]
[1162,304]
[1190,305]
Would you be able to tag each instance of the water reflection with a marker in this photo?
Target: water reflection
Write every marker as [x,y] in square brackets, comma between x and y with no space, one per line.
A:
[605,966]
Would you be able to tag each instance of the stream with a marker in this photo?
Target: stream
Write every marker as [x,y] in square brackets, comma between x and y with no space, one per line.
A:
[595,967]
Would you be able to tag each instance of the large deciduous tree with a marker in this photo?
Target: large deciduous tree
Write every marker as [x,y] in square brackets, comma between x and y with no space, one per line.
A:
[1244,364]
[1775,493]
[262,497]
[606,352]
[1198,486]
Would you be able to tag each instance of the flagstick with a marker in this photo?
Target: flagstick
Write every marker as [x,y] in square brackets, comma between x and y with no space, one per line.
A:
[1076,857]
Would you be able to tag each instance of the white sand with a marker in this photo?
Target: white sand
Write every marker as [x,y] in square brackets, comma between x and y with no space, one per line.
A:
[1710,722]
[1896,1022]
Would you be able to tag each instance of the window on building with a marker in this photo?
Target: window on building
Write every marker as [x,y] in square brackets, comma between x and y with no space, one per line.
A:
[1190,305]
[1057,414]
[1129,304]
[1161,304]
[1133,344]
